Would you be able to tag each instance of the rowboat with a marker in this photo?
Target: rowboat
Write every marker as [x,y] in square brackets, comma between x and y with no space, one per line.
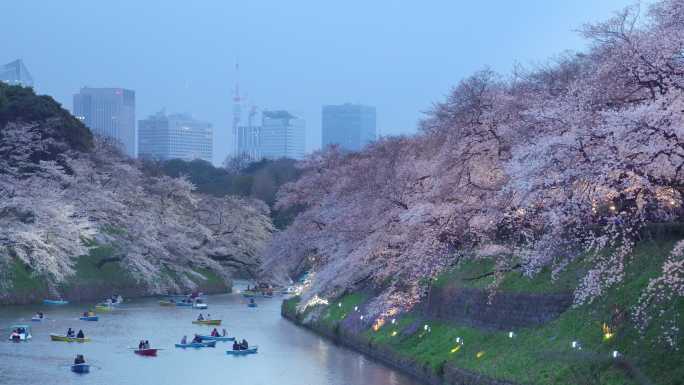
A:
[209,344]
[252,350]
[249,294]
[146,352]
[36,319]
[199,304]
[252,304]
[55,302]
[89,318]
[63,338]
[184,303]
[169,302]
[207,322]
[104,307]
[217,338]
[80,368]
[20,333]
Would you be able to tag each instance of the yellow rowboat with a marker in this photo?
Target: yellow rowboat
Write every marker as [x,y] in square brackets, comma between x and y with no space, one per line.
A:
[63,338]
[104,308]
[207,322]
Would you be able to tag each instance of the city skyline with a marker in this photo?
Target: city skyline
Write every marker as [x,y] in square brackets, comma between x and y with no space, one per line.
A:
[295,56]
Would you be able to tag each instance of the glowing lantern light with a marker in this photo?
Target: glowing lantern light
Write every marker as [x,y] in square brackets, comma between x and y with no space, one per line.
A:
[339,304]
[393,321]
[426,327]
[480,354]
[394,333]
[356,308]
[511,334]
[576,345]
[361,318]
[607,332]
[455,349]
[459,340]
[612,208]
[378,324]
[615,354]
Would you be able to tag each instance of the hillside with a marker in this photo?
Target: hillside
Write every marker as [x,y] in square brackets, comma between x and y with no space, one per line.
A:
[80,219]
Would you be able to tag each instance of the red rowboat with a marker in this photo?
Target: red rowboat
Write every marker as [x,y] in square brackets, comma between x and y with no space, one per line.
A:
[146,352]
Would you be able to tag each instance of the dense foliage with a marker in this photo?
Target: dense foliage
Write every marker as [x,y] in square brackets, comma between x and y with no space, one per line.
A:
[258,180]
[566,161]
[55,208]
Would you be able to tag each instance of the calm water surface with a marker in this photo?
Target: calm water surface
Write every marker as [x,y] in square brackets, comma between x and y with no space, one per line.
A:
[288,355]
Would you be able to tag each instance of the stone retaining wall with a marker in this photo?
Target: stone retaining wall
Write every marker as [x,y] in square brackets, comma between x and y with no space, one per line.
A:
[506,310]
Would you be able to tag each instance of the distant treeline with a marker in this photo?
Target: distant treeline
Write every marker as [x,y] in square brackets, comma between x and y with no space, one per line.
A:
[260,180]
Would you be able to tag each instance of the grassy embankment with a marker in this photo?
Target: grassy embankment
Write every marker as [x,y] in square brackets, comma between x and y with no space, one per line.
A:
[540,355]
[98,270]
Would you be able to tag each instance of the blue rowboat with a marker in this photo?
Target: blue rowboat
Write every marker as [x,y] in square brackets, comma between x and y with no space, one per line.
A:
[36,319]
[197,345]
[252,350]
[89,318]
[55,302]
[180,303]
[80,368]
[252,304]
[217,338]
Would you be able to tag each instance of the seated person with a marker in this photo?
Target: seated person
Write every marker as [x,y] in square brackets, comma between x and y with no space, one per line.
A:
[184,340]
[79,359]
[141,345]
[70,333]
[80,334]
[224,332]
[236,346]
[85,313]
[244,344]
[214,333]
[197,339]
[200,317]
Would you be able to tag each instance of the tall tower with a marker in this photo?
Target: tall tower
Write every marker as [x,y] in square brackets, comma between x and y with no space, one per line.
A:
[237,108]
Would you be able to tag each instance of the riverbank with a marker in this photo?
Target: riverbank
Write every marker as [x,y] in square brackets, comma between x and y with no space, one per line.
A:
[530,334]
[98,275]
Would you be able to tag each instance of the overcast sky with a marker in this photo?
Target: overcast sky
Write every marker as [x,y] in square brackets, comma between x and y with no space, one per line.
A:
[400,56]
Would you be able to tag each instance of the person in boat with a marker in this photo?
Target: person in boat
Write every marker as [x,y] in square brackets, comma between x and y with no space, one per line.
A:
[244,345]
[236,346]
[80,334]
[141,345]
[70,333]
[197,339]
[79,359]
[15,336]
[85,313]
[184,340]
[147,344]
[223,332]
[214,333]
[200,317]
[41,315]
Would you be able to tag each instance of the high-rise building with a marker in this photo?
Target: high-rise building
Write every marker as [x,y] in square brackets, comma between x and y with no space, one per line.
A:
[175,136]
[16,73]
[109,112]
[281,135]
[351,126]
